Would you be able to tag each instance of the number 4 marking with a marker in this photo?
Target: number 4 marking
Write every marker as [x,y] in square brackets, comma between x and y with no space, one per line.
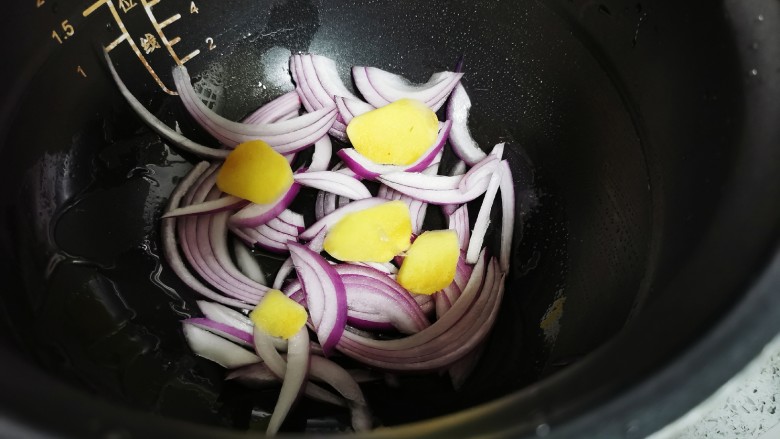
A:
[193,8]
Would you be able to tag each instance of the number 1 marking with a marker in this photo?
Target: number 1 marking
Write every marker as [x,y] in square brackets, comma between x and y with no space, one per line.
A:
[80,70]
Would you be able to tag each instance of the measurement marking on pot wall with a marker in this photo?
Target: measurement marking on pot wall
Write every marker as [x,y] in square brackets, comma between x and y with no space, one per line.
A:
[148,42]
[67,31]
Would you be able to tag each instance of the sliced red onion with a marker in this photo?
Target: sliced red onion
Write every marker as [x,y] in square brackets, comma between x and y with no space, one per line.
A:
[462,271]
[160,128]
[318,97]
[320,209]
[371,307]
[280,226]
[385,267]
[315,245]
[417,210]
[278,234]
[260,376]
[481,171]
[195,242]
[285,137]
[293,218]
[323,151]
[342,168]
[265,346]
[374,301]
[461,369]
[318,82]
[263,236]
[359,277]
[442,303]
[206,265]
[507,188]
[325,294]
[452,196]
[365,168]
[425,303]
[219,247]
[442,326]
[335,183]
[284,271]
[449,295]
[458,169]
[380,88]
[463,145]
[295,372]
[350,108]
[328,75]
[329,202]
[483,218]
[471,185]
[423,181]
[290,115]
[255,215]
[168,236]
[227,332]
[290,157]
[326,202]
[228,202]
[337,377]
[278,109]
[301,85]
[339,132]
[329,220]
[498,150]
[256,376]
[226,316]
[459,222]
[204,242]
[457,333]
[384,192]
[215,348]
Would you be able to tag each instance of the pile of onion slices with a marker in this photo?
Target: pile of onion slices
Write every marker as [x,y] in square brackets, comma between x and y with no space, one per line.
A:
[208,237]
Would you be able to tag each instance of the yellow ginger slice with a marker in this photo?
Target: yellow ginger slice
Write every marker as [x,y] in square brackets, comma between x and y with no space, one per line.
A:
[255,172]
[396,134]
[375,234]
[278,315]
[430,262]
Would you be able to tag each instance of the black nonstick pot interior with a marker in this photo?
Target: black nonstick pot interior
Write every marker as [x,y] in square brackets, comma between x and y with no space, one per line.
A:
[644,143]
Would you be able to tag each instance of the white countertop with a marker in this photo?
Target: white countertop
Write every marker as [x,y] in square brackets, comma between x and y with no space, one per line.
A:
[748,406]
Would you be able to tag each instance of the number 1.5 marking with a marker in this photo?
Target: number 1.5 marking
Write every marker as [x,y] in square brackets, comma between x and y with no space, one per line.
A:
[67,28]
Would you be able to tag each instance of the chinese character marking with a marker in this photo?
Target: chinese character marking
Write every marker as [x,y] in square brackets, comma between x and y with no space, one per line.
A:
[149,43]
[126,5]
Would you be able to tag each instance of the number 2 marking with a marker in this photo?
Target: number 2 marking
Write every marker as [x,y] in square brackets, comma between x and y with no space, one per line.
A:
[210,42]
